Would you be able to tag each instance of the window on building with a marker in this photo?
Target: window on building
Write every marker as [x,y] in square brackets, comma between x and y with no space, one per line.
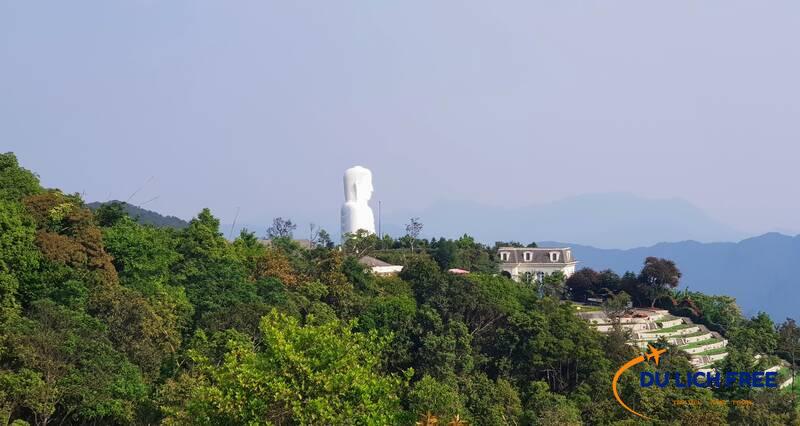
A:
[540,276]
[554,255]
[527,277]
[528,256]
[504,255]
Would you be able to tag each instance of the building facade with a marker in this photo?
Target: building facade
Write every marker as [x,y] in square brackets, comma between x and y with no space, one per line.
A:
[535,262]
[379,267]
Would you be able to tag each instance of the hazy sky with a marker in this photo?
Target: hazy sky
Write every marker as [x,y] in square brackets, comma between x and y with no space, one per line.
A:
[262,105]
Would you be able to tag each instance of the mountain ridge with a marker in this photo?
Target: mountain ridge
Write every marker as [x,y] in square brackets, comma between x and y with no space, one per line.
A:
[619,220]
[753,270]
[144,216]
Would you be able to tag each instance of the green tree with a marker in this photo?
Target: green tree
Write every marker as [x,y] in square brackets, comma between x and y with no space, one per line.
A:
[789,345]
[492,402]
[413,229]
[361,243]
[210,270]
[659,275]
[546,408]
[323,374]
[553,285]
[445,252]
[281,228]
[324,239]
[72,368]
[108,214]
[143,256]
[582,284]
[715,309]
[615,306]
[18,254]
[757,335]
[16,182]
[439,398]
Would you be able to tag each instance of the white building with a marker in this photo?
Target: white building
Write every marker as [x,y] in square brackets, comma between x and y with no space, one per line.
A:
[379,267]
[535,262]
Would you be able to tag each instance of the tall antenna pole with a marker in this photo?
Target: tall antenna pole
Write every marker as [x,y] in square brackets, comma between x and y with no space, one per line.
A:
[380,232]
[233,225]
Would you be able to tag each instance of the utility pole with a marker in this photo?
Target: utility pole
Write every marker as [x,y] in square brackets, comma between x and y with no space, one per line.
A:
[380,232]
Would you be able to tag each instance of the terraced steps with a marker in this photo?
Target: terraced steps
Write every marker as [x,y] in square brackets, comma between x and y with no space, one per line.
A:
[649,325]
[677,327]
[785,374]
[703,346]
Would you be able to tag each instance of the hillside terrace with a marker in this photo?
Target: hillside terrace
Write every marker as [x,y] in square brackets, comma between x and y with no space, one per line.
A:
[648,325]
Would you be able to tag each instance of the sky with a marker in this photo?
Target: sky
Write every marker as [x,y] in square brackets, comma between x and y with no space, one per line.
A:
[259,106]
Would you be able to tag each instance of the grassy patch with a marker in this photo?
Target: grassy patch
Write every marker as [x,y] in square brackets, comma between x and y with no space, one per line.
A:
[667,318]
[587,308]
[700,343]
[713,352]
[671,329]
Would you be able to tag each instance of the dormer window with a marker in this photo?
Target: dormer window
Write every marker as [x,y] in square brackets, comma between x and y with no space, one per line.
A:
[554,255]
[528,256]
[504,255]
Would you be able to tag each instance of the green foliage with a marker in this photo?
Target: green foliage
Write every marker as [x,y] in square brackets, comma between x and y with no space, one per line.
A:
[109,214]
[658,276]
[143,255]
[16,182]
[719,309]
[104,320]
[438,398]
[546,408]
[211,272]
[18,254]
[757,335]
[492,402]
[463,253]
[69,368]
[325,374]
[360,243]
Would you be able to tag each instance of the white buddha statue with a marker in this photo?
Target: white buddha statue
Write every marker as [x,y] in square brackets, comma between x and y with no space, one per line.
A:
[356,213]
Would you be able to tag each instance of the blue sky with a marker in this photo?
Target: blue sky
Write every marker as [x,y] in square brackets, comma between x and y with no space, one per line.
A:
[262,105]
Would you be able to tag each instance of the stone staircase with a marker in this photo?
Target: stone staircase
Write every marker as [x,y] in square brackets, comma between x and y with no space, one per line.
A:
[705,347]
[648,325]
[785,373]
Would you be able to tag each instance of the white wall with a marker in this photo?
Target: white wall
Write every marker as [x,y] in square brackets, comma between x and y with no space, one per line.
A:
[518,270]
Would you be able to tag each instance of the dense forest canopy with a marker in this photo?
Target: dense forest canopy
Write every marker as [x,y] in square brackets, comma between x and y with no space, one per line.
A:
[104,320]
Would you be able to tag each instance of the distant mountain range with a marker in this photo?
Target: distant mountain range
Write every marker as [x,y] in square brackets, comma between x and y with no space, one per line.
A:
[617,220]
[146,217]
[759,272]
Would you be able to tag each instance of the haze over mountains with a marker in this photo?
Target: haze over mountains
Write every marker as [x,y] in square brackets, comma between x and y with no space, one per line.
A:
[760,272]
[614,220]
[609,220]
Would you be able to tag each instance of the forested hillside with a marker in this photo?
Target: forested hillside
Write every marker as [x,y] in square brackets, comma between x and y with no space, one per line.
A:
[143,216]
[104,320]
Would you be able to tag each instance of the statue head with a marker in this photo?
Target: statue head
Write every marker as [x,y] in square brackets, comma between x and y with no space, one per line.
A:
[357,184]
